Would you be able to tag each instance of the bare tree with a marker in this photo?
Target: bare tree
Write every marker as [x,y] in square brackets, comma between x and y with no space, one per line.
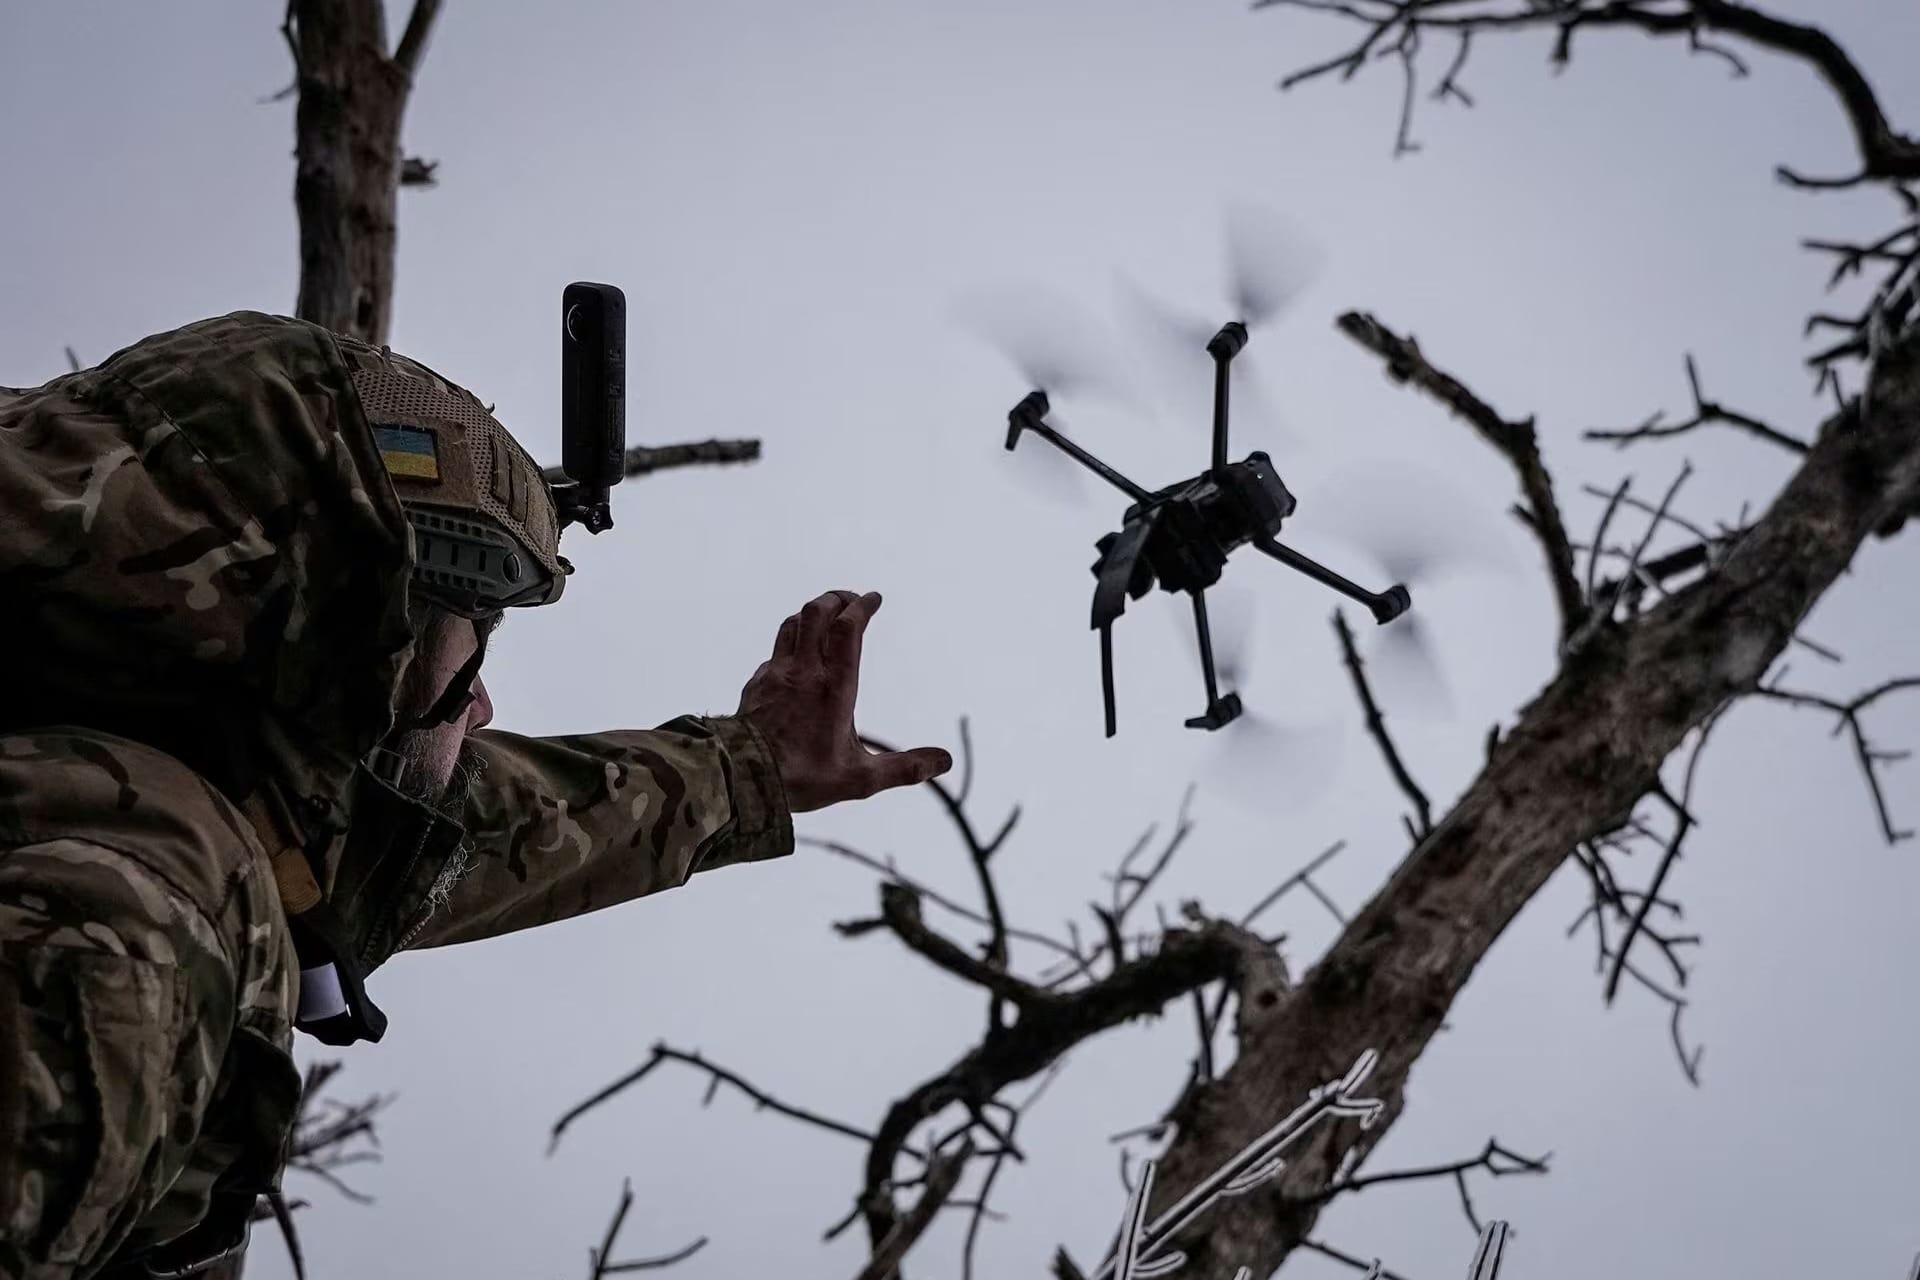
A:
[1660,631]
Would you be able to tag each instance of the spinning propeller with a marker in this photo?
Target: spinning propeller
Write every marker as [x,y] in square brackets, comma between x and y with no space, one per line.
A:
[1259,758]
[1269,263]
[1418,528]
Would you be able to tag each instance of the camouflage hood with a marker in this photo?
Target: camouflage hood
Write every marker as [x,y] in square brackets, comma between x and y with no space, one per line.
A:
[200,549]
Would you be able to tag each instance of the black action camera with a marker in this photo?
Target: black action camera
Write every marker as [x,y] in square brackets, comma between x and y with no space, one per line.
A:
[593,401]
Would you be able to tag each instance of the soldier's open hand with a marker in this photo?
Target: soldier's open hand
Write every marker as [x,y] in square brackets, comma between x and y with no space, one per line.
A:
[801,700]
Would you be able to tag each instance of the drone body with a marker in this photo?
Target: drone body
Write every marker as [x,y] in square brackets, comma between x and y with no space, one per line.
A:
[1178,538]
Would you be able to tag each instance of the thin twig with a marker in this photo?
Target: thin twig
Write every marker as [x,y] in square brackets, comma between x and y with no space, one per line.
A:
[941,1179]
[1495,1160]
[1328,1251]
[1517,441]
[1705,413]
[1869,757]
[1377,727]
[662,1053]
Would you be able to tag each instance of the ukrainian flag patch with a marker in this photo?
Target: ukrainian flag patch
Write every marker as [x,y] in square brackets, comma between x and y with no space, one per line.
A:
[408,452]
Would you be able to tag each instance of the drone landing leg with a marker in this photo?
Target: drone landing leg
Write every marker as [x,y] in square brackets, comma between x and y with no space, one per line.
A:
[1386,605]
[1220,711]
[1106,674]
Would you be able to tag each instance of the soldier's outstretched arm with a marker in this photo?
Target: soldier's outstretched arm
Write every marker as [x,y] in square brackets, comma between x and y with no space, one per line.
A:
[117,1003]
[565,825]
[571,824]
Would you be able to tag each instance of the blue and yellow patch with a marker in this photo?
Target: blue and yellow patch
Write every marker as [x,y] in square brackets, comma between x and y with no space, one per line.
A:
[408,452]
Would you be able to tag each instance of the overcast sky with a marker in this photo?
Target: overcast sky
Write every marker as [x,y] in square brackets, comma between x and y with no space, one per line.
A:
[793,197]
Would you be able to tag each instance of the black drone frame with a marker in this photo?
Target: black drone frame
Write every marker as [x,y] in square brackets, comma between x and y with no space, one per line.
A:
[1178,538]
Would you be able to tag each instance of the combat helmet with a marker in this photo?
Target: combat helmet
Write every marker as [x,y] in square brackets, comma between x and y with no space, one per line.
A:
[483,519]
[486,530]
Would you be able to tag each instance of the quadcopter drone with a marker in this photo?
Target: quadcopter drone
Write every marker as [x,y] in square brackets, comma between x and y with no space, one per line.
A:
[1179,537]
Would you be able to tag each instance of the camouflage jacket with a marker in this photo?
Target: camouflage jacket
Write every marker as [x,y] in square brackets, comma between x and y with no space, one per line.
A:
[205,573]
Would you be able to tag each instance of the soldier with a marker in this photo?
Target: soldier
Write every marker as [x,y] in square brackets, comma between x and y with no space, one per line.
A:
[250,569]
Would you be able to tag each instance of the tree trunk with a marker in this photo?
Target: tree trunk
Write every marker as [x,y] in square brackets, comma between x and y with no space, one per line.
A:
[352,97]
[1583,753]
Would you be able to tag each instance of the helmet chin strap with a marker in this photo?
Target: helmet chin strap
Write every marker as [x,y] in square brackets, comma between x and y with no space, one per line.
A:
[452,702]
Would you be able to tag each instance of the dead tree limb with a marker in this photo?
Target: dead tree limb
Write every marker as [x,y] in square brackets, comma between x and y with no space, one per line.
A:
[328,1135]
[1705,413]
[718,1076]
[599,1261]
[1494,1160]
[1422,821]
[941,1180]
[352,99]
[1517,441]
[1871,758]
[1886,154]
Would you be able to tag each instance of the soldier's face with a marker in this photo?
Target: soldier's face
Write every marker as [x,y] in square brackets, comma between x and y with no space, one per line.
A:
[433,755]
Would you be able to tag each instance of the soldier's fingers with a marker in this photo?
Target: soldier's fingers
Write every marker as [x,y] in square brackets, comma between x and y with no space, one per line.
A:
[786,641]
[845,635]
[814,617]
[906,768]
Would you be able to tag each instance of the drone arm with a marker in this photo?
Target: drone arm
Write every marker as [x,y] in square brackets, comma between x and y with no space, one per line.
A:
[1029,415]
[1220,381]
[1386,605]
[1223,347]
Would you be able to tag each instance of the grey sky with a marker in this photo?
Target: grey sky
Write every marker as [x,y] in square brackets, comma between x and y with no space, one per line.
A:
[792,196]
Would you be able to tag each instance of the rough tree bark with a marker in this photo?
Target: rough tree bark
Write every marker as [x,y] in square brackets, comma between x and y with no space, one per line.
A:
[352,96]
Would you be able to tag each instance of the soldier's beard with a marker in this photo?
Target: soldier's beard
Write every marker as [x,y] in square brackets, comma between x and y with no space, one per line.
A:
[430,778]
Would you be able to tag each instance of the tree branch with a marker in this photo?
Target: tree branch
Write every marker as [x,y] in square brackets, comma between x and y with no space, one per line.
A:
[1683,822]
[1494,1159]
[597,1259]
[1048,1027]
[643,460]
[1373,1269]
[1869,757]
[1516,441]
[1885,154]
[892,872]
[1377,727]
[980,1210]
[900,908]
[662,1053]
[413,41]
[940,1183]
[1705,412]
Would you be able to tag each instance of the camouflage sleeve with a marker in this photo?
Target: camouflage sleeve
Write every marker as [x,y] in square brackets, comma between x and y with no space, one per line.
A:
[566,825]
[116,1005]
